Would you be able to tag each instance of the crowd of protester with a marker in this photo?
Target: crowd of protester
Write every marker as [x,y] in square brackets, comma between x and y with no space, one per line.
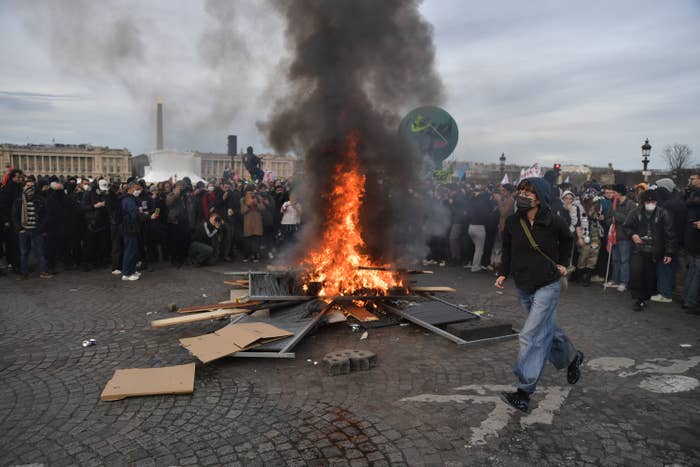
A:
[86,224]
[645,239]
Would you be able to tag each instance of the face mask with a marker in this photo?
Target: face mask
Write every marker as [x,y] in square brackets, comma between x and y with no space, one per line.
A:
[87,187]
[210,189]
[70,188]
[137,193]
[103,186]
[650,207]
[523,203]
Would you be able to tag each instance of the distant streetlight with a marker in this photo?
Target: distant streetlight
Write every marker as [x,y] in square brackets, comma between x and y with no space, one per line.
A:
[503,163]
[646,152]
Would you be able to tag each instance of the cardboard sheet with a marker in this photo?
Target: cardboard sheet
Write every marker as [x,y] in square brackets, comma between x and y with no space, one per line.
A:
[231,339]
[133,382]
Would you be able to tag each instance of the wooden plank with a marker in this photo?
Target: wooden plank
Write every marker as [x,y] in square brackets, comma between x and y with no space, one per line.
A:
[213,306]
[432,288]
[161,323]
[243,284]
[358,312]
[132,382]
[248,304]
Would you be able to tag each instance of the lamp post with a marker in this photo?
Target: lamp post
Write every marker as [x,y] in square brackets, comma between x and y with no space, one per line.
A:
[646,152]
[503,163]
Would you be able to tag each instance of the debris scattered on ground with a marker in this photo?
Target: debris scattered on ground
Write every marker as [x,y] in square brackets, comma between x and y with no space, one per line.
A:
[231,339]
[342,362]
[171,307]
[89,342]
[132,382]
[335,316]
[364,335]
[686,346]
[191,318]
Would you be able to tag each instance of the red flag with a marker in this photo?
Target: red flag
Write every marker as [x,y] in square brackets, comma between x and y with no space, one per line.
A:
[612,238]
[612,233]
[6,178]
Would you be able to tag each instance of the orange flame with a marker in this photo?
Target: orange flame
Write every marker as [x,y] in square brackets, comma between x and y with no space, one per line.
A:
[335,262]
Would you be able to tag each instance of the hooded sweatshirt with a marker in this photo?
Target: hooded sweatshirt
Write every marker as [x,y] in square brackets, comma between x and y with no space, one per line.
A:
[528,267]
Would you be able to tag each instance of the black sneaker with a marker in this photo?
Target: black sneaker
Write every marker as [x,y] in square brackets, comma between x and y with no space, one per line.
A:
[519,399]
[639,305]
[573,373]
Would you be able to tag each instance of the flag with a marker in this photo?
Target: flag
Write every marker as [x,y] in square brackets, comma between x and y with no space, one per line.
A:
[505,180]
[612,233]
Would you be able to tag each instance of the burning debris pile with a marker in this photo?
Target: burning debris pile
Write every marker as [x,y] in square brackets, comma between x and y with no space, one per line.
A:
[356,65]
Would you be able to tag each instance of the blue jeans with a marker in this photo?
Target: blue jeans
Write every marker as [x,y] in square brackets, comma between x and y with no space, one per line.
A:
[541,339]
[692,281]
[621,253]
[131,246]
[31,239]
[664,278]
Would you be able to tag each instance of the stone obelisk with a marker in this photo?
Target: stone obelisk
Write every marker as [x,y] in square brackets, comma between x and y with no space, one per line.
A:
[159,125]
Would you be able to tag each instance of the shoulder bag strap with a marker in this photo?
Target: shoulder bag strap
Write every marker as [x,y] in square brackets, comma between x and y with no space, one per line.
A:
[534,244]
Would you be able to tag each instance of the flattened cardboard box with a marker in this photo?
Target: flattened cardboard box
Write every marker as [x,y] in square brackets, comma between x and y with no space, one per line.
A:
[231,339]
[131,382]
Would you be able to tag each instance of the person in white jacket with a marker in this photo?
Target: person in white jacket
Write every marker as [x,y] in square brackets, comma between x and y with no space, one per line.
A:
[291,217]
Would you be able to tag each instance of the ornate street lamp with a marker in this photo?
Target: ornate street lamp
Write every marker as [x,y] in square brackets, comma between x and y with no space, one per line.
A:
[646,152]
[503,163]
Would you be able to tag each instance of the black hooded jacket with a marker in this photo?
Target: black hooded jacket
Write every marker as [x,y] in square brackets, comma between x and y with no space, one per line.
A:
[528,267]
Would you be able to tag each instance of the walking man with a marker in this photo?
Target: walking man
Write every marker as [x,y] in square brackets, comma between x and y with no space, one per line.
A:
[536,247]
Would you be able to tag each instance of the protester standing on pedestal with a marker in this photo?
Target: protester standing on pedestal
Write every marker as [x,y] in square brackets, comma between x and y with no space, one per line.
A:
[536,249]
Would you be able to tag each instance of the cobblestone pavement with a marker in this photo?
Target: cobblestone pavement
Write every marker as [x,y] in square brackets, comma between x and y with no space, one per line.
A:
[428,402]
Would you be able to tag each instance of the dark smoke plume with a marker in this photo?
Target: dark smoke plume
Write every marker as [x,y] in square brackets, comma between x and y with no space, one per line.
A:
[359,65]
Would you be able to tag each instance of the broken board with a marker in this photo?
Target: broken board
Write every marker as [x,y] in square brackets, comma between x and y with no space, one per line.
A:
[214,306]
[241,283]
[358,312]
[134,382]
[217,314]
[231,339]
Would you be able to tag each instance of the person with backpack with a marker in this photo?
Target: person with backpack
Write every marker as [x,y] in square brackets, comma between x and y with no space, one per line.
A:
[537,246]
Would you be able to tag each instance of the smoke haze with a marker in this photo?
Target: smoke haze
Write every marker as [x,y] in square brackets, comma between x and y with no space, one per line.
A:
[359,65]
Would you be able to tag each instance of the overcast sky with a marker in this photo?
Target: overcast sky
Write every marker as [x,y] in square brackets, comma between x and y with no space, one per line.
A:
[542,81]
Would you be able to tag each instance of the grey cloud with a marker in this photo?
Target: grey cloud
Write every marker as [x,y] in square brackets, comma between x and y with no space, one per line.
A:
[31,101]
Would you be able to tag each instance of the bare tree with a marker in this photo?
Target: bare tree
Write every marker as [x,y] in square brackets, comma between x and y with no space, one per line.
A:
[679,156]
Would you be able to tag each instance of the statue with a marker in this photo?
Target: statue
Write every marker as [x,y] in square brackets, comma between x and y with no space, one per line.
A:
[252,164]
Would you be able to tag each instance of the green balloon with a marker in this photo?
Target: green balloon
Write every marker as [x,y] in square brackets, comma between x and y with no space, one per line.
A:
[431,130]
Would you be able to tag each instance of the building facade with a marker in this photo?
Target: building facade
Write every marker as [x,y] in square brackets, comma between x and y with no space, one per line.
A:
[214,164]
[81,160]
